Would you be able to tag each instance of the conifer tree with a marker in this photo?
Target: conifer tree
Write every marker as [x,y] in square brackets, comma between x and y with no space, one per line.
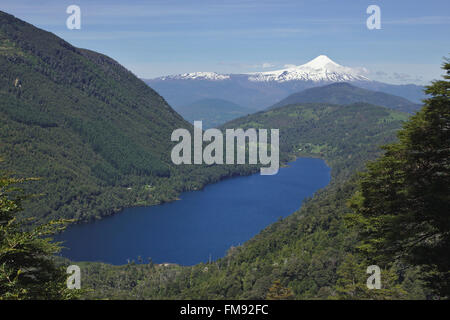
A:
[27,267]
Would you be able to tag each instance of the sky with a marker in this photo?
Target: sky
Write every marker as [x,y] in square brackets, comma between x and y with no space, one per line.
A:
[155,38]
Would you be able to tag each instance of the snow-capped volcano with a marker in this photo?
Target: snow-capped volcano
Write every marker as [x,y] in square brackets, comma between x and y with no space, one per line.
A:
[321,68]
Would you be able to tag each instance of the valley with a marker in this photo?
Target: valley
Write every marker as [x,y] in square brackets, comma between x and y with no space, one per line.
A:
[306,247]
[171,188]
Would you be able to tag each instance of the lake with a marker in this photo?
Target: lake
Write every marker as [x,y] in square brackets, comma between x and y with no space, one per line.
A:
[202,225]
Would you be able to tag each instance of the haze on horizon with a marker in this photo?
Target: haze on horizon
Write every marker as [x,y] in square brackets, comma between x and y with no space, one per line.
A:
[158,38]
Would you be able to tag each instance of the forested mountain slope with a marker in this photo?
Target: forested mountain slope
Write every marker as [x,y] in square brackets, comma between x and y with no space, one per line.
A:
[346,93]
[345,136]
[96,135]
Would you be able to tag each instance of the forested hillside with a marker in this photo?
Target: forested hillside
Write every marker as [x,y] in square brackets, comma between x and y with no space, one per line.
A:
[401,207]
[345,136]
[345,93]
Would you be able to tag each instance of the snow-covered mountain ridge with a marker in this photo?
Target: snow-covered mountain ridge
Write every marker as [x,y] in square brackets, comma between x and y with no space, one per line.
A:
[319,69]
[197,76]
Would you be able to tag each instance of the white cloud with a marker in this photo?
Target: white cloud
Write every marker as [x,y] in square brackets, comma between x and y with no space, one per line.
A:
[267,65]
[398,77]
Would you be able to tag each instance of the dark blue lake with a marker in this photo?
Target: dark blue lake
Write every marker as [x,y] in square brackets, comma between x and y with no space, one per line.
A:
[202,224]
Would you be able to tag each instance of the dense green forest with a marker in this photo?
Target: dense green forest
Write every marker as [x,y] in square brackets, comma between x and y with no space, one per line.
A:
[402,204]
[27,266]
[345,93]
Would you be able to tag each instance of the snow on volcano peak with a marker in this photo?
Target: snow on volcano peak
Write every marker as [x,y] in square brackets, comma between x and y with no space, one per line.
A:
[319,69]
[320,62]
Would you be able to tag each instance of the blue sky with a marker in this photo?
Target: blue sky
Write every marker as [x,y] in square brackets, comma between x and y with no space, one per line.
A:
[154,38]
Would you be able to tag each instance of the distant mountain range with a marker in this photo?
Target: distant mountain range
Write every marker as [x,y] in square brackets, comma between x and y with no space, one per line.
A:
[262,89]
[213,112]
[343,93]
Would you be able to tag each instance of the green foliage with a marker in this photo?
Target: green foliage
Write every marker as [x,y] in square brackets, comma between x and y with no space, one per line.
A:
[401,210]
[27,268]
[278,292]
[344,93]
[352,282]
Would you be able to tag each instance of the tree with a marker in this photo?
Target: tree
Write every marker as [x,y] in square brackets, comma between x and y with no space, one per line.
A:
[278,292]
[353,278]
[402,207]
[27,267]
